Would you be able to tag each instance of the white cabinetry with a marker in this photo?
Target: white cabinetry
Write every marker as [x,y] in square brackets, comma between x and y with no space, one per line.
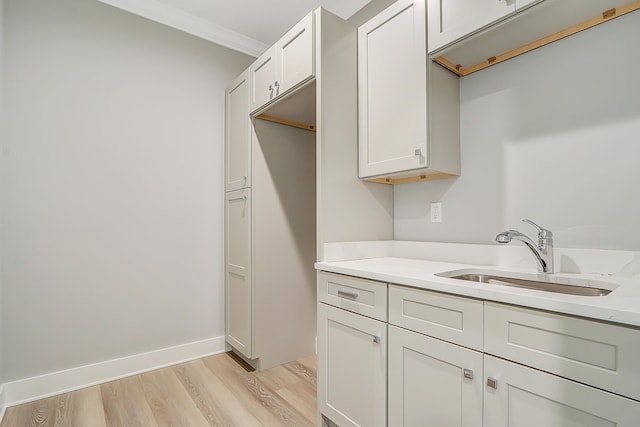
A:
[408,114]
[285,65]
[458,361]
[450,20]
[270,294]
[525,397]
[352,350]
[237,238]
[432,382]
[238,134]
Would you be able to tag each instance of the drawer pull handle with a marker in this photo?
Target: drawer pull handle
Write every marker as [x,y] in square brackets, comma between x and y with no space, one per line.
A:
[492,383]
[376,339]
[347,294]
[468,374]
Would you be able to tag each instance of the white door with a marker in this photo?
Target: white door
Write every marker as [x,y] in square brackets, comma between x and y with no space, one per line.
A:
[432,382]
[264,72]
[238,304]
[352,368]
[450,20]
[392,91]
[517,396]
[296,55]
[238,134]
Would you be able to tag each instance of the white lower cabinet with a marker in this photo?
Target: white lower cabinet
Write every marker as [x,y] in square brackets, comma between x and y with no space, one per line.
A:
[423,375]
[352,368]
[525,397]
[432,382]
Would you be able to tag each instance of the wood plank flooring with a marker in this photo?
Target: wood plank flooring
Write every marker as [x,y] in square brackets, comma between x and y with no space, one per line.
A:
[214,391]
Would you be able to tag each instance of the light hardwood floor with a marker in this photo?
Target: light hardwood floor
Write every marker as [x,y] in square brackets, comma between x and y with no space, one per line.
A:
[214,391]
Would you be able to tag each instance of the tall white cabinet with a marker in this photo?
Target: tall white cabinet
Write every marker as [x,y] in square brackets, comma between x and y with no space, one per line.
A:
[270,239]
[291,189]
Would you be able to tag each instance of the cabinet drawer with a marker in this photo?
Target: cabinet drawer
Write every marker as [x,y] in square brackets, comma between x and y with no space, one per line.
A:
[447,317]
[592,352]
[366,297]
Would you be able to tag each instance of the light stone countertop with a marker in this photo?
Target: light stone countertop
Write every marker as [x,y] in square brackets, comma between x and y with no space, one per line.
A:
[404,263]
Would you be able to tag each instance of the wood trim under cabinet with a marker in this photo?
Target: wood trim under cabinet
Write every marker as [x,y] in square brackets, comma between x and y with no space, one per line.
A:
[410,179]
[606,15]
[291,123]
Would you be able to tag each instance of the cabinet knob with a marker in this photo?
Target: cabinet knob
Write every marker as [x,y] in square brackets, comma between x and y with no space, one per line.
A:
[468,374]
[418,152]
[376,339]
[492,383]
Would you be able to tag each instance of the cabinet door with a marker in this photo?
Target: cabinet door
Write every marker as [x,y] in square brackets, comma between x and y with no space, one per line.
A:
[526,397]
[433,383]
[264,72]
[352,368]
[392,87]
[237,134]
[296,55]
[450,20]
[238,303]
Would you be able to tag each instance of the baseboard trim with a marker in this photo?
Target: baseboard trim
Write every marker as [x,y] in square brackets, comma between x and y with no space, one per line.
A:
[3,407]
[34,388]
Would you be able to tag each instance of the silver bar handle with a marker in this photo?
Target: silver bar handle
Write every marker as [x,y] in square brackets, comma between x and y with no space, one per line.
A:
[492,383]
[347,294]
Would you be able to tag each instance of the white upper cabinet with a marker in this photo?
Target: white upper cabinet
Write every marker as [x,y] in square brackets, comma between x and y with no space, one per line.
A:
[450,20]
[285,65]
[264,74]
[238,134]
[407,125]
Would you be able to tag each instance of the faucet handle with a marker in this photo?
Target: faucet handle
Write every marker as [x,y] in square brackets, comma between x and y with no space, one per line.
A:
[543,233]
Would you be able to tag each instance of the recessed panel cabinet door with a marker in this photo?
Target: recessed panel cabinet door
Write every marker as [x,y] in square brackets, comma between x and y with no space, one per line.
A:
[238,134]
[432,382]
[517,396]
[352,360]
[296,55]
[264,72]
[450,20]
[238,301]
[392,85]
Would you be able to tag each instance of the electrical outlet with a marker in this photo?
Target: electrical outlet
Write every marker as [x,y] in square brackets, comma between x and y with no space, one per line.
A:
[436,212]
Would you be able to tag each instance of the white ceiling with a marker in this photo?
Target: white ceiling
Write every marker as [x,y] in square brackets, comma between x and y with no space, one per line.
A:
[249,26]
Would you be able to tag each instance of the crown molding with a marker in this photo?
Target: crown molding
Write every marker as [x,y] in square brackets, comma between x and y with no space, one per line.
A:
[177,18]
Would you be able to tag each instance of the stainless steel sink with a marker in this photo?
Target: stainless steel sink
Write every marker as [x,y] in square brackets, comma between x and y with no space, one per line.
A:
[547,283]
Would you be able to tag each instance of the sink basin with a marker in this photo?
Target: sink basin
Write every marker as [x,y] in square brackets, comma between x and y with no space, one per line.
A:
[540,282]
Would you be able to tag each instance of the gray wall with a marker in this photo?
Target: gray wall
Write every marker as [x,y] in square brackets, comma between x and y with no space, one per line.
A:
[553,135]
[113,221]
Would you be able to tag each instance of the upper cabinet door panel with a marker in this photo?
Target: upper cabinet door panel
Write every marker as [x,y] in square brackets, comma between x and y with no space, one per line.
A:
[296,54]
[450,20]
[238,134]
[392,90]
[264,72]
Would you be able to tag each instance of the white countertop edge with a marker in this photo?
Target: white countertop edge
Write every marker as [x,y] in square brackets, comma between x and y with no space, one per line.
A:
[621,306]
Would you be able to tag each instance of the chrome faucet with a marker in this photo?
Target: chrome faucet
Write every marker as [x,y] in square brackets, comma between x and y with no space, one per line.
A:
[543,251]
